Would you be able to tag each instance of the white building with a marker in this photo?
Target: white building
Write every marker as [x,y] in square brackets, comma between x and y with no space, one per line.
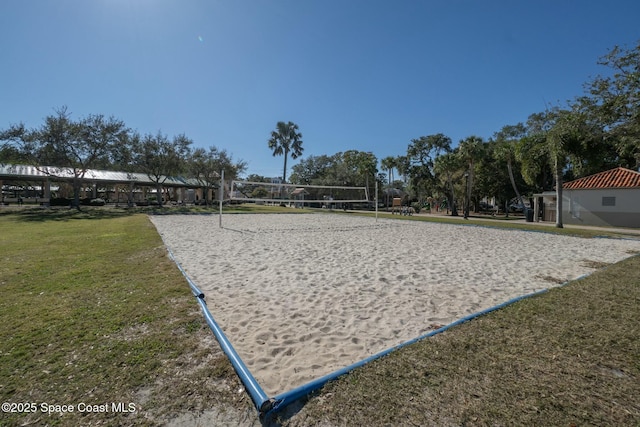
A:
[609,198]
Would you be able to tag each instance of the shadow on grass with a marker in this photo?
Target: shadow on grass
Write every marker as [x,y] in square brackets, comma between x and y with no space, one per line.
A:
[39,214]
[86,212]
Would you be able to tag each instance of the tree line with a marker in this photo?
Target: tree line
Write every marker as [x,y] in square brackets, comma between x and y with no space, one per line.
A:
[99,142]
[594,132]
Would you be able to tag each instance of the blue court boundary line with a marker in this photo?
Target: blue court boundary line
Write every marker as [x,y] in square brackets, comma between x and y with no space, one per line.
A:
[260,399]
[284,399]
[269,406]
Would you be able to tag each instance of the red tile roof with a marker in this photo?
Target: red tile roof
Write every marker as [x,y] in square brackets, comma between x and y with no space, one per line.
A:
[614,178]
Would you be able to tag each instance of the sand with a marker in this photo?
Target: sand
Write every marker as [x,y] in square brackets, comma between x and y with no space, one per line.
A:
[300,296]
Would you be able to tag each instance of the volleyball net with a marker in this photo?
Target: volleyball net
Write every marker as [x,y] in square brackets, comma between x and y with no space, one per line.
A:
[320,196]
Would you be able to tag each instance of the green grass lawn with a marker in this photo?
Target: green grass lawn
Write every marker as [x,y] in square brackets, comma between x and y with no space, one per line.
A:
[92,311]
[569,357]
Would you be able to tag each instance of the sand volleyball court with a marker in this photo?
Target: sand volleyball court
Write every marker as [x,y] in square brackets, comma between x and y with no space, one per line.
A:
[302,295]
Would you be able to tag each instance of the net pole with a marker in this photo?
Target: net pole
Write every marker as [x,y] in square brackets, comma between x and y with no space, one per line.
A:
[221,197]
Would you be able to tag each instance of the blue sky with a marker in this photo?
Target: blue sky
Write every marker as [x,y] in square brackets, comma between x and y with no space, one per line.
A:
[353,74]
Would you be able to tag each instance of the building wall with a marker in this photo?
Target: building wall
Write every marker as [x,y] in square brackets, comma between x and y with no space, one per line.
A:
[609,207]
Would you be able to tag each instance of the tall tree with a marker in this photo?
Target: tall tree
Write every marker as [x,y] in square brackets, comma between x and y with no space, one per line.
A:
[563,142]
[319,170]
[207,165]
[447,166]
[507,139]
[470,150]
[534,161]
[491,175]
[363,163]
[389,164]
[532,152]
[159,158]
[557,135]
[11,141]
[285,141]
[613,101]
[403,167]
[72,147]
[421,154]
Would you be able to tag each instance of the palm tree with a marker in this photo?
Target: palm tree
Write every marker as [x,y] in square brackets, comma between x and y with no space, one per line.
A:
[403,166]
[470,150]
[388,164]
[562,140]
[286,140]
[552,133]
[506,139]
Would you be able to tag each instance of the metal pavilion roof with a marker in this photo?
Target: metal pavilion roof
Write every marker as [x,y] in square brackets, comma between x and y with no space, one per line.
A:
[31,173]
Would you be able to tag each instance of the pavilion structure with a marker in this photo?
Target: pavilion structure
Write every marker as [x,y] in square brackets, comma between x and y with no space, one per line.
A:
[39,184]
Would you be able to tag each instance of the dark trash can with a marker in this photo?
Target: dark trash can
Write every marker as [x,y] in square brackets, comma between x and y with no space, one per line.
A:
[529,213]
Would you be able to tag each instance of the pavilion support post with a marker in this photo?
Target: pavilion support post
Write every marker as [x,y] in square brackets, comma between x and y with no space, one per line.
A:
[130,196]
[46,185]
